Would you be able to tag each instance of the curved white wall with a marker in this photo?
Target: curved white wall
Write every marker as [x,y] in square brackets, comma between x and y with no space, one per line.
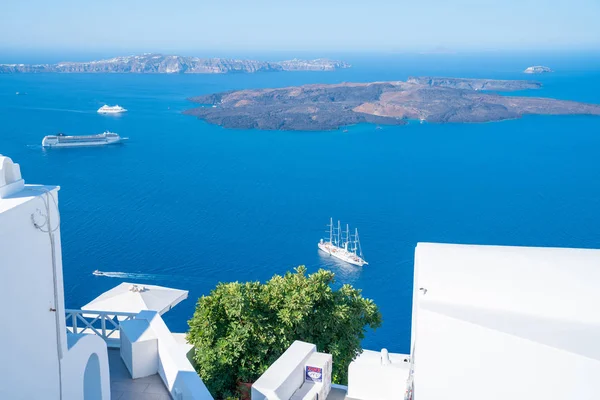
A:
[85,369]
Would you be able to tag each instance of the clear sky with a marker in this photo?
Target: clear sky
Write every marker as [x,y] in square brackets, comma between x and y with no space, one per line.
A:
[193,26]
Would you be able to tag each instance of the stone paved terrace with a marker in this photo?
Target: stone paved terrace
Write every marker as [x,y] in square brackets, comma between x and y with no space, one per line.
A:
[337,394]
[122,387]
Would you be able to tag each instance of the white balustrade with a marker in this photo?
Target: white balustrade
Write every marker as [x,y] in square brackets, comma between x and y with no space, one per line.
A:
[105,324]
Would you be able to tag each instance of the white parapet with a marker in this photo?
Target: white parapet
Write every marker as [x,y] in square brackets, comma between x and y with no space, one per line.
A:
[300,373]
[317,378]
[281,380]
[168,358]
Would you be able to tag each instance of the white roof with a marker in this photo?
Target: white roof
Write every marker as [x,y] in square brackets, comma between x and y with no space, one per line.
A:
[373,358]
[129,297]
[497,322]
[378,375]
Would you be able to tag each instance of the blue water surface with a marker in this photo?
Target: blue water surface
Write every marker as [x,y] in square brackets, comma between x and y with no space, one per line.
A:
[187,204]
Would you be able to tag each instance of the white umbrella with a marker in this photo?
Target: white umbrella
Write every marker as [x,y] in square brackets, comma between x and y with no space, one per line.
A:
[133,298]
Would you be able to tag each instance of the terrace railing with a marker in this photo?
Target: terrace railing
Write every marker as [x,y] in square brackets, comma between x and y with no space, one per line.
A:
[105,324]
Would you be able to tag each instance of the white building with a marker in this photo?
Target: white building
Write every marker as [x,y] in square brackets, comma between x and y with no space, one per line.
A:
[302,373]
[52,353]
[497,323]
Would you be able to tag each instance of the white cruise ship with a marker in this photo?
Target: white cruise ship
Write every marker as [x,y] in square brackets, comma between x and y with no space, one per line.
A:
[342,245]
[62,140]
[105,109]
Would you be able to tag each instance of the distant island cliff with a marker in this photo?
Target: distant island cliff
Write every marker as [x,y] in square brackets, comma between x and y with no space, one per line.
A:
[475,84]
[325,107]
[170,64]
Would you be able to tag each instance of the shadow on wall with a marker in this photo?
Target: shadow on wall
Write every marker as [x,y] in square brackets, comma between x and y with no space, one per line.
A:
[187,386]
[92,384]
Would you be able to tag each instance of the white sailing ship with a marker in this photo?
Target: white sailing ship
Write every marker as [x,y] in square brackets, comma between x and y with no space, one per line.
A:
[342,245]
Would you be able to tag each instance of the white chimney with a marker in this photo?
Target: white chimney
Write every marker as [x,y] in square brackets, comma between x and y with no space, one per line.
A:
[385,357]
[10,177]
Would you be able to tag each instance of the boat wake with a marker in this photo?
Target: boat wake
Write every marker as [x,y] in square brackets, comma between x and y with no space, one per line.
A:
[147,277]
[56,109]
[131,275]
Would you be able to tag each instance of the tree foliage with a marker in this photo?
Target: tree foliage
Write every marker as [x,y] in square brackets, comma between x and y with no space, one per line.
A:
[240,329]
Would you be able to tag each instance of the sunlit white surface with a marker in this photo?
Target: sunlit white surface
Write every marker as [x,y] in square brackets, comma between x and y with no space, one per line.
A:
[129,297]
[492,322]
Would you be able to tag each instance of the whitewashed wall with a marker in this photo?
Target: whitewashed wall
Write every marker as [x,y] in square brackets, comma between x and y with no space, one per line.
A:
[33,333]
[30,364]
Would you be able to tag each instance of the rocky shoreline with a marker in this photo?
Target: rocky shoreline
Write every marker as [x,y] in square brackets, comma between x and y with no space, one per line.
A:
[475,84]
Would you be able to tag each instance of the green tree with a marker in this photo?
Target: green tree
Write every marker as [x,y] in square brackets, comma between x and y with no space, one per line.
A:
[240,329]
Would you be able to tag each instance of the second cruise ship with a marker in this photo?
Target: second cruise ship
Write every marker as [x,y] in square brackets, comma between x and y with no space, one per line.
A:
[62,140]
[106,109]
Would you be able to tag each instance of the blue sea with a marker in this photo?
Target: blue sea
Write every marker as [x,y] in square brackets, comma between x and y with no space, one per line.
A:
[186,204]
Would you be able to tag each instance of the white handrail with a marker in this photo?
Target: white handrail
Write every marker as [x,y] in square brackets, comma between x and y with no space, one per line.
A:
[89,321]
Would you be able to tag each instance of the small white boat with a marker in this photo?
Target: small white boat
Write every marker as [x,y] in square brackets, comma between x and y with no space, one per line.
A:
[342,245]
[98,273]
[106,109]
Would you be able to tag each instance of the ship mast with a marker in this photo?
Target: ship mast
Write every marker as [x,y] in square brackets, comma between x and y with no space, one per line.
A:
[347,237]
[360,254]
[330,230]
[339,234]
